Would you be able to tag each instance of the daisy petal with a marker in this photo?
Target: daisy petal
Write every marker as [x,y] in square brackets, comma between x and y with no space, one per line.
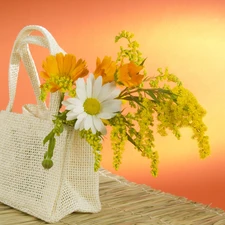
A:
[70,107]
[78,124]
[93,129]
[65,103]
[88,122]
[115,93]
[108,91]
[81,125]
[78,110]
[106,115]
[82,115]
[80,120]
[105,90]
[91,77]
[111,105]
[71,116]
[97,87]
[99,125]
[74,101]
[81,89]
[89,86]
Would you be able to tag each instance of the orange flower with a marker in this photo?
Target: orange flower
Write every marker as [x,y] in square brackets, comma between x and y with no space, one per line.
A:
[106,69]
[60,73]
[129,75]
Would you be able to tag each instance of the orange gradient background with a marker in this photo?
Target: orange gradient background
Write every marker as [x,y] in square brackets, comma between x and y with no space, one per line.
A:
[188,37]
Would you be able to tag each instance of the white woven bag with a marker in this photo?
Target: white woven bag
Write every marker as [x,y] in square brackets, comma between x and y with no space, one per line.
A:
[71,184]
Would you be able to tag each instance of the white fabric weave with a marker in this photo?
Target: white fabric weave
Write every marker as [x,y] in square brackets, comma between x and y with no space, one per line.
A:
[71,184]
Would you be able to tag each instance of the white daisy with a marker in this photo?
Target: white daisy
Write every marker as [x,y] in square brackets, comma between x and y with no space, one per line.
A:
[92,103]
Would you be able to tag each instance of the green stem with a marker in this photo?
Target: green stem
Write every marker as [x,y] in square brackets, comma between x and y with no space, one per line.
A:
[144,90]
[61,99]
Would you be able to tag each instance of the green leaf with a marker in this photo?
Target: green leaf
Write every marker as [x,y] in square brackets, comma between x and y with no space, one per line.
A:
[130,139]
[133,99]
[61,129]
[151,94]
[48,137]
[142,63]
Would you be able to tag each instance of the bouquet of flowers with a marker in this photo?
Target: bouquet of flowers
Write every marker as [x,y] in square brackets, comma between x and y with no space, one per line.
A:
[120,94]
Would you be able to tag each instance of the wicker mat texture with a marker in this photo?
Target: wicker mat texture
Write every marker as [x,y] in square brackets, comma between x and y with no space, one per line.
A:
[126,203]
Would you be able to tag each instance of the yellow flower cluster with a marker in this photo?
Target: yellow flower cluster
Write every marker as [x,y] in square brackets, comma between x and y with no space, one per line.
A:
[140,132]
[118,138]
[144,117]
[183,111]
[64,84]
[94,141]
[132,52]
[154,163]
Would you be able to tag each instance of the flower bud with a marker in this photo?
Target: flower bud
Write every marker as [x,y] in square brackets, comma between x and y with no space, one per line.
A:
[47,163]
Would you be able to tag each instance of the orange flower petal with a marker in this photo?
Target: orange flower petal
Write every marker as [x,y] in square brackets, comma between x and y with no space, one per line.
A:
[106,69]
[67,64]
[54,87]
[51,66]
[80,70]
[44,75]
[129,74]
[60,62]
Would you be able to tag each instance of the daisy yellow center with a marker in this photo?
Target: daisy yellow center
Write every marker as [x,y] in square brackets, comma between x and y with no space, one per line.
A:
[92,106]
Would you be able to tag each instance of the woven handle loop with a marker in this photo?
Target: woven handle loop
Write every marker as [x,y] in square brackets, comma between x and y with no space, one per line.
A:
[20,52]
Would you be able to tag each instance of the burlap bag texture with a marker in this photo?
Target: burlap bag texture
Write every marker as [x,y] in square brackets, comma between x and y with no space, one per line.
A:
[71,185]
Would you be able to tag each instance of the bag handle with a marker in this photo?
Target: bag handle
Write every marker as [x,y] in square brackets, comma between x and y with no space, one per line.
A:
[20,52]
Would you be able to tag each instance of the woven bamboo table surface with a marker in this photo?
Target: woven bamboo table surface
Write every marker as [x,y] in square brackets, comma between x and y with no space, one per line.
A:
[126,203]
